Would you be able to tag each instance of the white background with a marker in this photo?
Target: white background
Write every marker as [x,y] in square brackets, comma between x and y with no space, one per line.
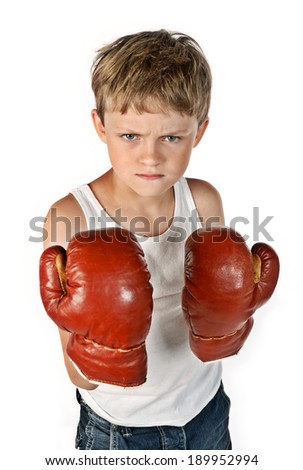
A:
[251,152]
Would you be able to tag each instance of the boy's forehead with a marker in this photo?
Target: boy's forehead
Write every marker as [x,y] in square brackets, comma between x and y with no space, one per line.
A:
[132,117]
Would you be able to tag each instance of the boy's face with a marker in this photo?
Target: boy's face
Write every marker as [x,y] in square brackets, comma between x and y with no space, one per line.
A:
[149,152]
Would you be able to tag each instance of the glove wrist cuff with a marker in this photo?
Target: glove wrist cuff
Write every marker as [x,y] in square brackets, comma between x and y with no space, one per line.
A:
[101,364]
[218,347]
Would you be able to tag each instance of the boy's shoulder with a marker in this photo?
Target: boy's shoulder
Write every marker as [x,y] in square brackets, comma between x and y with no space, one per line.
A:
[67,206]
[202,190]
[207,199]
[63,220]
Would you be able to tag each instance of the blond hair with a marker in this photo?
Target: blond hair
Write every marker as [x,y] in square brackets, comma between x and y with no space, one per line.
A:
[152,71]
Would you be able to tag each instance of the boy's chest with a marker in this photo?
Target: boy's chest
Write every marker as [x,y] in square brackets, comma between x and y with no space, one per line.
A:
[165,261]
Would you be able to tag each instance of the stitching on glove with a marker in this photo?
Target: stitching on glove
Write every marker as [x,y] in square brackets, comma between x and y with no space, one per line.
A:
[216,338]
[98,345]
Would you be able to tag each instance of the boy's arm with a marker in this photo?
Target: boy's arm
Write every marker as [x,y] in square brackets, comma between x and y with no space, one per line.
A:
[208,202]
[64,219]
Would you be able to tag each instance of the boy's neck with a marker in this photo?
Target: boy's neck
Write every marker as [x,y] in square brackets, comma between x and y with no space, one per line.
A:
[151,216]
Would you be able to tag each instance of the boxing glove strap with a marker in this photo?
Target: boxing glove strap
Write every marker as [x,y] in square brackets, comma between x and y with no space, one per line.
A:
[107,348]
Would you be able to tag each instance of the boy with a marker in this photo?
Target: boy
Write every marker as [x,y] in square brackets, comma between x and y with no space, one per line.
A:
[152,93]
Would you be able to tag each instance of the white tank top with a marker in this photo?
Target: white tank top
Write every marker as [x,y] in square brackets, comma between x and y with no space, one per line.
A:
[178,385]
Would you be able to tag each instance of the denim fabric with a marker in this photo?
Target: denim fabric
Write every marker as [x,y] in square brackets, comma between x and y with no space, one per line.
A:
[208,431]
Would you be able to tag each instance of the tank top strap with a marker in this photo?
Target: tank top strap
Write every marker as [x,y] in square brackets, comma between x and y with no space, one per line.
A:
[185,206]
[95,215]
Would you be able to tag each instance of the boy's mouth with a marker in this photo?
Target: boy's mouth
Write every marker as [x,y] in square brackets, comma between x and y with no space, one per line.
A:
[149,176]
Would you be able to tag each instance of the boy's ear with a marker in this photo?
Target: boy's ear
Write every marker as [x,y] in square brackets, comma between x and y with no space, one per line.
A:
[200,132]
[100,129]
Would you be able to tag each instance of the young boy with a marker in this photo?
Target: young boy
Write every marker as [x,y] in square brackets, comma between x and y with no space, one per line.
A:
[152,93]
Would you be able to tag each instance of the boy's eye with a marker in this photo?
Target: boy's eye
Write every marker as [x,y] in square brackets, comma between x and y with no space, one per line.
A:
[129,137]
[172,138]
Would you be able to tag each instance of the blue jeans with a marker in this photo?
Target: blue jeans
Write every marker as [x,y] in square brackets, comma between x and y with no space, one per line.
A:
[208,431]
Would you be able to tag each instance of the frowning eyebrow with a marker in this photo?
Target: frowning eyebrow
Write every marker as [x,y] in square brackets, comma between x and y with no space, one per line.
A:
[128,130]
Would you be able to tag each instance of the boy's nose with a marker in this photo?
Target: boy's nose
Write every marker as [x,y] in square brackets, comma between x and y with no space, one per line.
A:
[150,155]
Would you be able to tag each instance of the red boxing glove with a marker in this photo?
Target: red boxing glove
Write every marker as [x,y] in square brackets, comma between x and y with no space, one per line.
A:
[225,283]
[99,290]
